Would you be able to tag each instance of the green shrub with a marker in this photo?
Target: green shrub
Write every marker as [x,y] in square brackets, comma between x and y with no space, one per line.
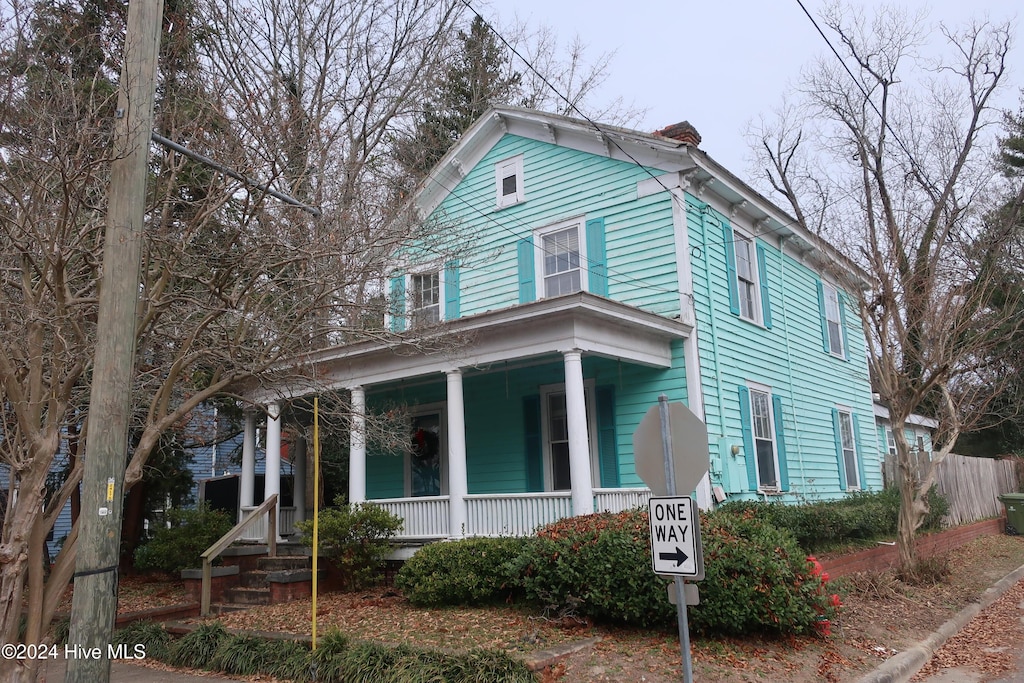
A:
[356,537]
[152,635]
[329,655]
[599,566]
[180,546]
[472,571]
[757,579]
[596,566]
[197,649]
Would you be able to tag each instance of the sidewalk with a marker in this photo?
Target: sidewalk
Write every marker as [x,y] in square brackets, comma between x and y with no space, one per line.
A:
[127,672]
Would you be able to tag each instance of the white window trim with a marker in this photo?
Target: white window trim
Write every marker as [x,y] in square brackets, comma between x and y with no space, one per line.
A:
[440,407]
[765,389]
[826,288]
[738,234]
[545,430]
[890,442]
[425,269]
[503,169]
[848,412]
[539,253]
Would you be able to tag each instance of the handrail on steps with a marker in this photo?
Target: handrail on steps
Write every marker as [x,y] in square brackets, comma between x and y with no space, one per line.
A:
[214,551]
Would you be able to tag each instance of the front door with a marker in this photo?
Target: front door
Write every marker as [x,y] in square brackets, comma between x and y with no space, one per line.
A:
[425,455]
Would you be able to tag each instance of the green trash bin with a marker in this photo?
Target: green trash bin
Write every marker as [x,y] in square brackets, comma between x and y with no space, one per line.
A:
[1014,504]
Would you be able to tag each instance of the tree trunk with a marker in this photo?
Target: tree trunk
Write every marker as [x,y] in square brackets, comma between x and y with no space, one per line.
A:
[131,526]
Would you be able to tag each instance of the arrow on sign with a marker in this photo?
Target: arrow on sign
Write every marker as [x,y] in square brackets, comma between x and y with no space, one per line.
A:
[679,556]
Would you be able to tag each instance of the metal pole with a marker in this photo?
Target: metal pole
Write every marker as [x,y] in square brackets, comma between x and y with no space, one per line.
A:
[670,486]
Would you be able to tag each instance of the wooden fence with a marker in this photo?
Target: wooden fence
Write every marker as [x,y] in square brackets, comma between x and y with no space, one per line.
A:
[971,485]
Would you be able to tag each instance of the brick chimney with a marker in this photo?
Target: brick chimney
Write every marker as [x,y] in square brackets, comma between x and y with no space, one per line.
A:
[682,131]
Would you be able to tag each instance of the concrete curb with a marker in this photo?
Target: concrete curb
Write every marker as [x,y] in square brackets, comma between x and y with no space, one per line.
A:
[900,668]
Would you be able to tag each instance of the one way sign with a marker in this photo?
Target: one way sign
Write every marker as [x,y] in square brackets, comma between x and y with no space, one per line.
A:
[675,537]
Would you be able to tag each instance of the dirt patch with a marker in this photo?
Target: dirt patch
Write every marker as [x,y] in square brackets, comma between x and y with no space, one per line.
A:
[140,592]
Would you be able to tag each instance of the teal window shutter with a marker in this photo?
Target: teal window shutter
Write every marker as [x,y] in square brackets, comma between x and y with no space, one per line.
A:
[748,438]
[398,303]
[451,290]
[860,455]
[533,447]
[730,268]
[527,284]
[780,443]
[598,266]
[606,442]
[824,319]
[762,274]
[842,324]
[839,448]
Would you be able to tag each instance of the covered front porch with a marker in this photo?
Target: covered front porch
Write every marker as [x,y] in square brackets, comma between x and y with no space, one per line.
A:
[524,419]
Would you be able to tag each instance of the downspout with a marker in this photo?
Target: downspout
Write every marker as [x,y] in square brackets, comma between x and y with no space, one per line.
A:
[704,210]
[789,355]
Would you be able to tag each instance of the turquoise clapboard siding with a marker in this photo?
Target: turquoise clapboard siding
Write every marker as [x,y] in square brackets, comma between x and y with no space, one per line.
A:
[787,357]
[631,248]
[562,184]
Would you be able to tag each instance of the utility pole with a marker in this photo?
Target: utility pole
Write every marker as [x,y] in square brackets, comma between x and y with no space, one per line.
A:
[94,605]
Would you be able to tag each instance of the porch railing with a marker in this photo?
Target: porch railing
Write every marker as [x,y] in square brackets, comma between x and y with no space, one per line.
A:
[617,500]
[425,517]
[504,514]
[514,514]
[256,530]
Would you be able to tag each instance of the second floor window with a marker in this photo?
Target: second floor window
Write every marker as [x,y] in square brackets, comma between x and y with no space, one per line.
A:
[745,277]
[833,320]
[562,260]
[425,298]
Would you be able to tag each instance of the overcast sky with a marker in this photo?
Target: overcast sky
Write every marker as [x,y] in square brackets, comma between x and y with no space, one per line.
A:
[718,64]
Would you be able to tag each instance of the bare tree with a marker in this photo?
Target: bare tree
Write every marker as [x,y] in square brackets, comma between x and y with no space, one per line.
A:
[565,79]
[908,190]
[232,285]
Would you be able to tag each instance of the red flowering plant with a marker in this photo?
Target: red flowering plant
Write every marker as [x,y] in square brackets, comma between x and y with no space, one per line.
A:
[826,604]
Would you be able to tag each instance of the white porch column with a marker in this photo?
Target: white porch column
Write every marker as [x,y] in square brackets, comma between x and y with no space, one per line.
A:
[357,448]
[272,475]
[247,480]
[579,443]
[458,487]
[299,477]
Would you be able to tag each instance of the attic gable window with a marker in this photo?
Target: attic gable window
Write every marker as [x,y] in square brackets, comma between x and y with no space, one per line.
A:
[508,180]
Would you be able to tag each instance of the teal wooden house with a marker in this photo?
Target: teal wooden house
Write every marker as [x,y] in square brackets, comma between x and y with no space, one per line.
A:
[585,272]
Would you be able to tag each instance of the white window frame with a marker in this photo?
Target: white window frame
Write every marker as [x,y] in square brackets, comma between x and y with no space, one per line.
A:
[545,430]
[853,482]
[890,441]
[757,314]
[753,388]
[827,292]
[441,407]
[420,272]
[511,167]
[540,276]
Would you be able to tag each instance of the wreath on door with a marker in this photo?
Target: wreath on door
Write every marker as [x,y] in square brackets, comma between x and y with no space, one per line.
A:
[425,445]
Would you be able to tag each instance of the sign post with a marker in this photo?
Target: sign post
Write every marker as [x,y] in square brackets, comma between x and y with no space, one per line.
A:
[675,524]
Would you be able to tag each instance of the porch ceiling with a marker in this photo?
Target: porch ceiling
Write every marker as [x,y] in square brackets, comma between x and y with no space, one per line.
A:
[582,321]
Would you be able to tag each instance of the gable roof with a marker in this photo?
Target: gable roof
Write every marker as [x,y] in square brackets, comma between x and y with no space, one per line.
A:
[685,165]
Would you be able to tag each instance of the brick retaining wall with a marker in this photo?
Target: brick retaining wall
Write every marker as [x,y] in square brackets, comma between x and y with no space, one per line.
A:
[886,556]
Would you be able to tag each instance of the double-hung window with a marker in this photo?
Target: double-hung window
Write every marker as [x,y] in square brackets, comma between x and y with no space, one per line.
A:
[745,277]
[764,438]
[561,256]
[833,320]
[846,442]
[764,446]
[556,436]
[851,467]
[425,298]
